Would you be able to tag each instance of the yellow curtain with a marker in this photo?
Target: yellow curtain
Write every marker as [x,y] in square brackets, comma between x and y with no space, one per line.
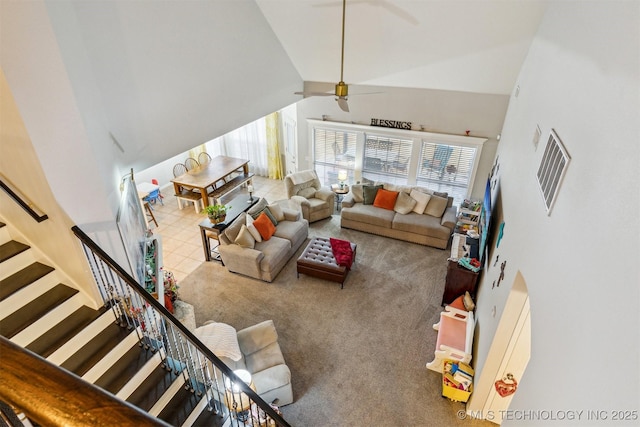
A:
[274,162]
[195,151]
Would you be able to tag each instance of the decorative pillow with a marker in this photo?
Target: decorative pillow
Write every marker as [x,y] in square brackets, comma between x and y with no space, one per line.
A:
[421,199]
[369,193]
[385,199]
[277,212]
[245,239]
[404,203]
[264,226]
[266,211]
[469,305]
[356,190]
[232,231]
[436,206]
[459,303]
[253,230]
[307,193]
[441,194]
[258,207]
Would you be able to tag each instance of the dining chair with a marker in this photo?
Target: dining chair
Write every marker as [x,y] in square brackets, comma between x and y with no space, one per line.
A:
[179,169]
[204,158]
[191,163]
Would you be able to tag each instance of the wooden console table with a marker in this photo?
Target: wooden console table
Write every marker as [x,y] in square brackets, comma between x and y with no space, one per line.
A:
[458,281]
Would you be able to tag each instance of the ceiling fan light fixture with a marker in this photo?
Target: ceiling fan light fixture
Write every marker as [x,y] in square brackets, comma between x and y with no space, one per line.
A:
[342,89]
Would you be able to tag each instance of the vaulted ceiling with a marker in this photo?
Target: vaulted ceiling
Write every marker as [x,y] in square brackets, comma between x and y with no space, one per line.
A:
[474,46]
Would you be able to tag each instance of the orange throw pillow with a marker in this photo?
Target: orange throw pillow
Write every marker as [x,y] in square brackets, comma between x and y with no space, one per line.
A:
[385,199]
[264,226]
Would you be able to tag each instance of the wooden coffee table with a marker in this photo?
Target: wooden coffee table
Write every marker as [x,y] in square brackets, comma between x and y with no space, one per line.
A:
[317,260]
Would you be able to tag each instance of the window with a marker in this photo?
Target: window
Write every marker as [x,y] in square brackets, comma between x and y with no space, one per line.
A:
[333,150]
[440,162]
[386,159]
[552,169]
[447,168]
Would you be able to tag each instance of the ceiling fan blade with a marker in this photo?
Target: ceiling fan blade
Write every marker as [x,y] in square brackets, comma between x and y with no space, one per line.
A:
[342,103]
[306,94]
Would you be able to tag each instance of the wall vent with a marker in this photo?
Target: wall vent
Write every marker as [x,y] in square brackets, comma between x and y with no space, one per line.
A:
[552,169]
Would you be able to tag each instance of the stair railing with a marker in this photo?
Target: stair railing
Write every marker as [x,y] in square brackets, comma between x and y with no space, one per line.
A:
[180,350]
[22,200]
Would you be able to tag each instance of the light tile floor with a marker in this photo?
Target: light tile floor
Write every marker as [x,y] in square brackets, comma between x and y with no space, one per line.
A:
[182,250]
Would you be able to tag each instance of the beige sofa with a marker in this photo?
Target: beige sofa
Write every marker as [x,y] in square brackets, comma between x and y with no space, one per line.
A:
[263,260]
[432,227]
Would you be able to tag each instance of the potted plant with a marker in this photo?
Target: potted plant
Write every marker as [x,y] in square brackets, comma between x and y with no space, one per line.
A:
[217,213]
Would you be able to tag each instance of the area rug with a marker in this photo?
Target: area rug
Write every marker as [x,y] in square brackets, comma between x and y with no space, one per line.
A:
[357,355]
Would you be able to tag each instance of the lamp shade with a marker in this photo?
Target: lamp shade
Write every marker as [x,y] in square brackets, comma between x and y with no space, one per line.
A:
[342,175]
[234,398]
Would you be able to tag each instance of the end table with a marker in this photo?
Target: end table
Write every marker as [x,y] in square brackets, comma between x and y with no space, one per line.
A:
[340,192]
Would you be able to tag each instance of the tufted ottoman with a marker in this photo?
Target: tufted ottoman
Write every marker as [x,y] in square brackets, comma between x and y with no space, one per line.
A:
[317,260]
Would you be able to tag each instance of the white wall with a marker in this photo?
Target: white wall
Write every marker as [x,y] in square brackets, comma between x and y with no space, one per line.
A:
[437,111]
[581,78]
[104,87]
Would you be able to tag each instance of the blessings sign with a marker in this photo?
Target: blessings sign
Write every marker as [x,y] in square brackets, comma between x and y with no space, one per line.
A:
[391,124]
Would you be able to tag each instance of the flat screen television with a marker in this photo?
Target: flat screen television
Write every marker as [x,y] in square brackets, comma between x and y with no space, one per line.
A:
[485,222]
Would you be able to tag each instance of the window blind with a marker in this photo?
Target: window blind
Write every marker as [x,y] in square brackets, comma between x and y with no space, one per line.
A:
[389,156]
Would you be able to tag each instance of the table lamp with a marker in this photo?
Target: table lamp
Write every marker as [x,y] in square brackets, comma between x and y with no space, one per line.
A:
[250,190]
[234,398]
[342,177]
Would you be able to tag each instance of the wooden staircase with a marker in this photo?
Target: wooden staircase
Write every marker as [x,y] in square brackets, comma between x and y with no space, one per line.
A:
[57,322]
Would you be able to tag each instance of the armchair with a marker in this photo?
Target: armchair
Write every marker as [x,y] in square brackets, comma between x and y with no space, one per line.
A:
[255,349]
[305,190]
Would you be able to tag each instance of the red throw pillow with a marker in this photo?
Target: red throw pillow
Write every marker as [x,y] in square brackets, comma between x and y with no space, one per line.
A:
[264,226]
[385,199]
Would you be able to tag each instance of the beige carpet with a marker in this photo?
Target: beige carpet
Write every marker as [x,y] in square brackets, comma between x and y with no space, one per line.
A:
[357,355]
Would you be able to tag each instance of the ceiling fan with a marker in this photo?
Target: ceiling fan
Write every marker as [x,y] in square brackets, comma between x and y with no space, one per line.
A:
[342,89]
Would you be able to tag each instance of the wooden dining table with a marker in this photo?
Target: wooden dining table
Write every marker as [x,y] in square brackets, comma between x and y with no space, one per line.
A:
[206,175]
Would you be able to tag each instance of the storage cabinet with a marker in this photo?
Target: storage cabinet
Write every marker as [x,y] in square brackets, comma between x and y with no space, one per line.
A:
[458,281]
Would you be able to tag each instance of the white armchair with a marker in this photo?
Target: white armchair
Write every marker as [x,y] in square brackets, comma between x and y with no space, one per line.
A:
[305,190]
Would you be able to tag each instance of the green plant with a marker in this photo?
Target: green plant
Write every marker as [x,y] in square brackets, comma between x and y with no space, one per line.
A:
[216,211]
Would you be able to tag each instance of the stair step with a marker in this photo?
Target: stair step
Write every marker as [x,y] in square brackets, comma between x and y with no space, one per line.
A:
[64,331]
[23,317]
[11,249]
[153,387]
[4,233]
[124,369]
[23,278]
[180,407]
[208,417]
[93,351]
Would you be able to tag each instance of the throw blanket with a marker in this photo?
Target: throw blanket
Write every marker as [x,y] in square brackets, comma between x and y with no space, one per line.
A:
[342,252]
[221,339]
[302,177]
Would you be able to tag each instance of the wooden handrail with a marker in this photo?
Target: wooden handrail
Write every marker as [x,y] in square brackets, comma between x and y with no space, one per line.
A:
[52,396]
[21,199]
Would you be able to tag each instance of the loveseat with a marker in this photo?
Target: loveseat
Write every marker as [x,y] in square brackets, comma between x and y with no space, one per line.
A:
[245,250]
[411,213]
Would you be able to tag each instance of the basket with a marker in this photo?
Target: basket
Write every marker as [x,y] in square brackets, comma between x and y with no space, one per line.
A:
[449,388]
